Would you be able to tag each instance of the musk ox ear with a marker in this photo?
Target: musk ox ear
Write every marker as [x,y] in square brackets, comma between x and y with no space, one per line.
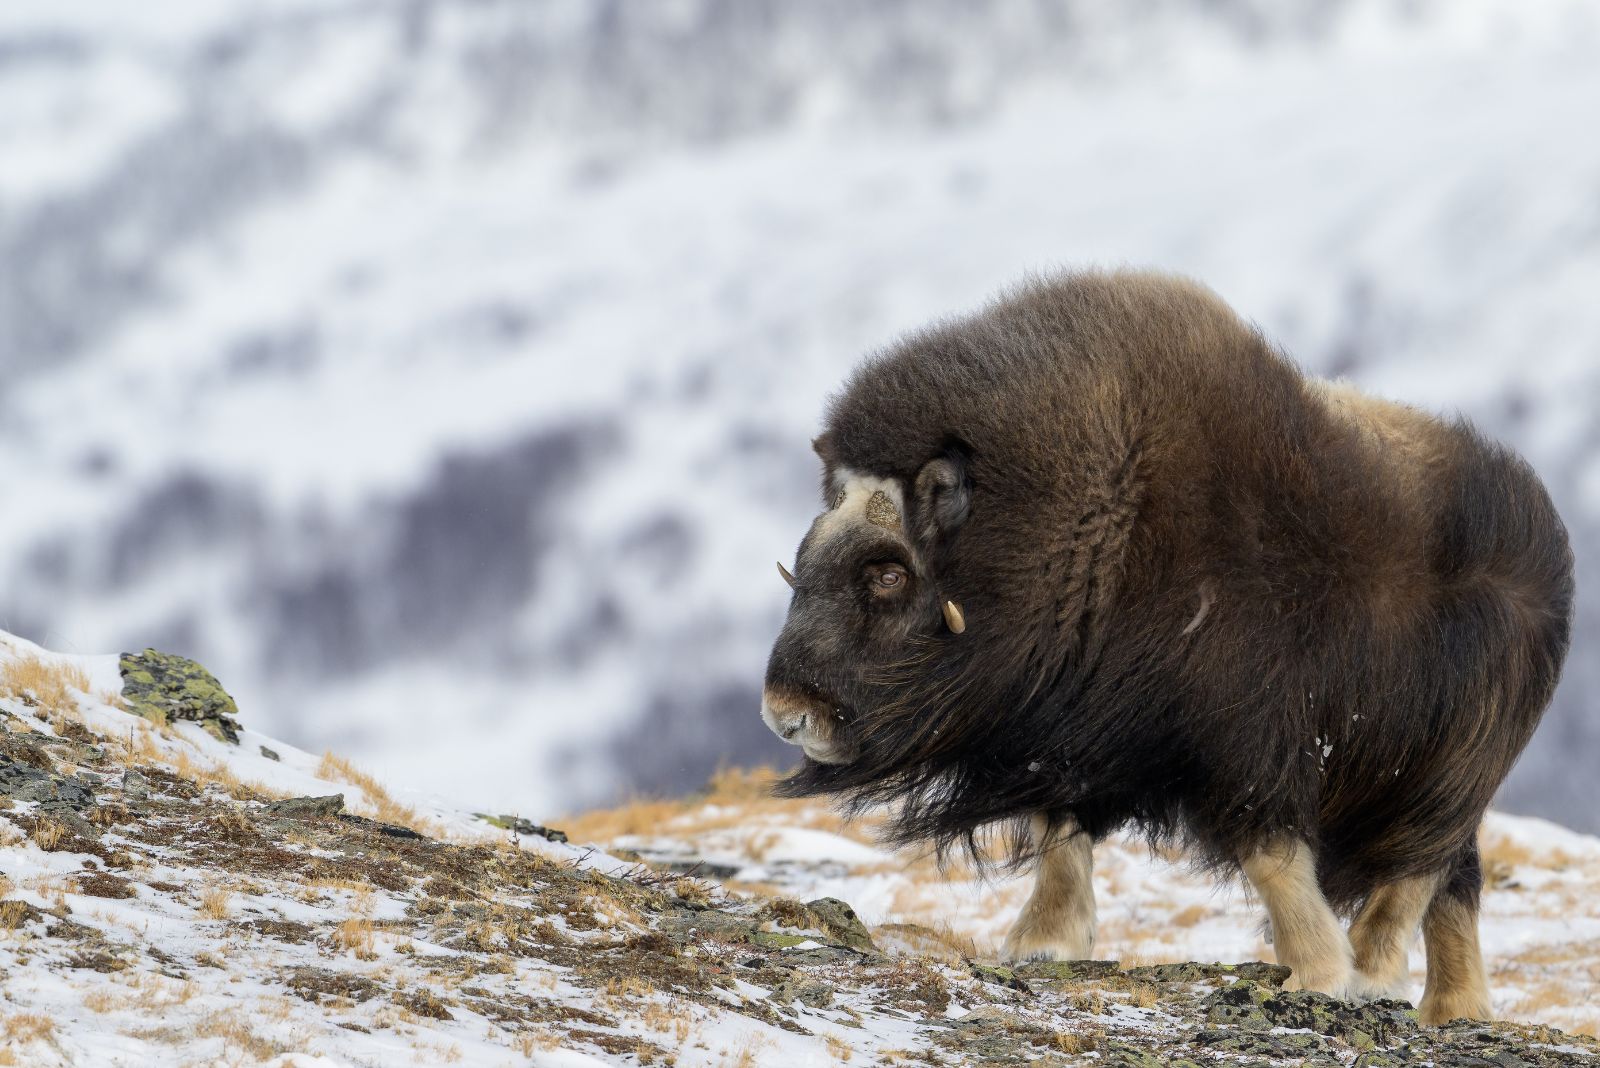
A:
[822,445]
[942,496]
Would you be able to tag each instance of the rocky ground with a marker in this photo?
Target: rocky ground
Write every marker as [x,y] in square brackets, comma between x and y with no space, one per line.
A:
[180,890]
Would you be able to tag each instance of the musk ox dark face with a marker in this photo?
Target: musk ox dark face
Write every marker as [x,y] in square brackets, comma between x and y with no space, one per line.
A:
[863,596]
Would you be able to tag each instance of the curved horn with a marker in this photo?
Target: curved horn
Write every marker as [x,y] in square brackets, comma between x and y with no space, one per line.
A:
[785,573]
[953,617]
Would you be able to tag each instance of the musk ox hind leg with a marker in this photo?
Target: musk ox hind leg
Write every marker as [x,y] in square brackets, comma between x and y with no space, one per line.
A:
[1309,938]
[1058,921]
[1456,987]
[1382,934]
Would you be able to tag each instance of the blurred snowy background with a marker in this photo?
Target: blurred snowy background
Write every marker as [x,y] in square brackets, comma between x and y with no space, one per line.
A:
[440,372]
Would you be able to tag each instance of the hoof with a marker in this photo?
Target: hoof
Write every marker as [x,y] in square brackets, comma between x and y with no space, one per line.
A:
[1364,987]
[1337,984]
[1021,950]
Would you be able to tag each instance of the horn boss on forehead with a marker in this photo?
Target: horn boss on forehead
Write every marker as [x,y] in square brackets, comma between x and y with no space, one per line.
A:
[882,512]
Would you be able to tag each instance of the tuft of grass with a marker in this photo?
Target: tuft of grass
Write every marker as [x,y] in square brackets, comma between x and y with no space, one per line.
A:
[528,1043]
[12,913]
[1190,916]
[236,1034]
[101,1001]
[837,1048]
[748,1054]
[216,903]
[27,1027]
[628,986]
[385,809]
[1072,1043]
[51,687]
[356,935]
[673,1017]
[47,833]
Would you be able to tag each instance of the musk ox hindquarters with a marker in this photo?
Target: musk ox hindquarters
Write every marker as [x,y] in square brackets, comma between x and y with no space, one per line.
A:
[1099,556]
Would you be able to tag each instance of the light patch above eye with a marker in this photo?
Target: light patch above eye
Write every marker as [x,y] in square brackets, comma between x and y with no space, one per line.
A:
[860,498]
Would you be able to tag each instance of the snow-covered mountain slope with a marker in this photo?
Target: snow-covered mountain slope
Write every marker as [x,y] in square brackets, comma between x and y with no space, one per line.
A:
[171,897]
[454,362]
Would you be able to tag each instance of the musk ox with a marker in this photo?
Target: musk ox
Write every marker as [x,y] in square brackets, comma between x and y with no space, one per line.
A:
[1101,556]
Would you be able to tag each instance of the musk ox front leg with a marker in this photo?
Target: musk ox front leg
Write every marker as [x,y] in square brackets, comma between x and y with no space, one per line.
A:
[1058,921]
[1306,933]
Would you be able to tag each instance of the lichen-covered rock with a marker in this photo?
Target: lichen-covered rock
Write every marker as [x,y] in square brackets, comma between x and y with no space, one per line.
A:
[162,688]
[811,992]
[23,782]
[524,827]
[1192,972]
[842,923]
[1360,1026]
[306,808]
[1065,970]
[1239,1005]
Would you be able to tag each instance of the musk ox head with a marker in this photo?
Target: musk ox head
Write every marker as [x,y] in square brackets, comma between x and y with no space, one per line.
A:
[866,596]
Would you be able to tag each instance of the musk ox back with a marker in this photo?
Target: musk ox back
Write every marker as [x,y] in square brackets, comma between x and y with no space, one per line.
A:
[1100,556]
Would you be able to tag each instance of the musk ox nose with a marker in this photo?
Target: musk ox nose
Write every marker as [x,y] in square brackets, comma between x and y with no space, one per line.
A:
[785,714]
[808,722]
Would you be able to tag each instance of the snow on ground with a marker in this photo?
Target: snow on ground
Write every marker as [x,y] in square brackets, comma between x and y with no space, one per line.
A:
[1541,905]
[178,917]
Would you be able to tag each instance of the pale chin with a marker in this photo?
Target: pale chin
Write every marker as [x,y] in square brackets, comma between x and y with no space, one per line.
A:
[826,756]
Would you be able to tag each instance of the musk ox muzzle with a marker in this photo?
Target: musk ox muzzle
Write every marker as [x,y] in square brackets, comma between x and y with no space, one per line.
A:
[819,726]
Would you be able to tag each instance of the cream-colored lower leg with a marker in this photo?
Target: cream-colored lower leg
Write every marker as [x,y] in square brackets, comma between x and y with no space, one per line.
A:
[1382,934]
[1305,932]
[1456,985]
[1057,923]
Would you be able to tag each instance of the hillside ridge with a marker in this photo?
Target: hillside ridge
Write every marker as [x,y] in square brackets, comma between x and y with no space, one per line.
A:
[176,896]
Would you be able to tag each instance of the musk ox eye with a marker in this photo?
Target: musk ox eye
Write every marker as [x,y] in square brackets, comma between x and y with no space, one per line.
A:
[890,577]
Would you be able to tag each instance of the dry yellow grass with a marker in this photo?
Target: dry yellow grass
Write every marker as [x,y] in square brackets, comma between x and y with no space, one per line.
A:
[528,1043]
[54,688]
[47,833]
[1071,1043]
[628,986]
[237,1036]
[356,935]
[1502,855]
[673,1017]
[384,807]
[218,774]
[748,1054]
[138,745]
[733,798]
[101,1000]
[1550,994]
[837,1048]
[1190,916]
[1550,953]
[216,903]
[27,1027]
[940,942]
